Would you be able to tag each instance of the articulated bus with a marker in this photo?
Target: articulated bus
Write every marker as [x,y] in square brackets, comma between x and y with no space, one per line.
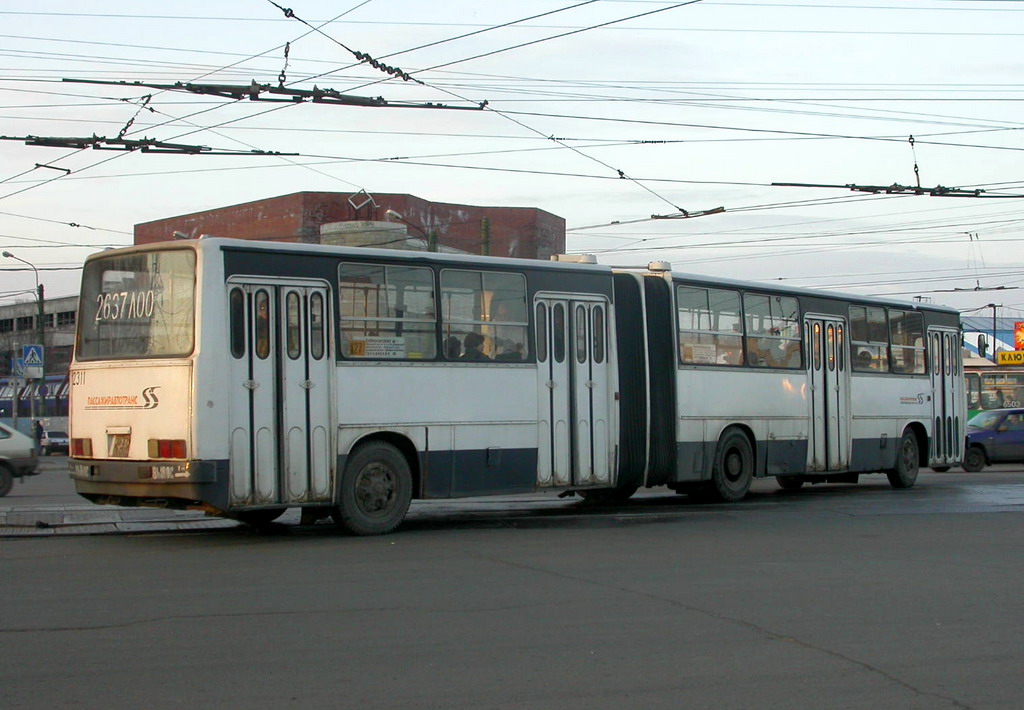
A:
[244,378]
[994,388]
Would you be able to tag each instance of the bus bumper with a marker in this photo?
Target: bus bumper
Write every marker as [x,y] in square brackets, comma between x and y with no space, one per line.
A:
[181,485]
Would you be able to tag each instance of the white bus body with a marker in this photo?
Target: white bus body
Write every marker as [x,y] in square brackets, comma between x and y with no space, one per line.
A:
[245,378]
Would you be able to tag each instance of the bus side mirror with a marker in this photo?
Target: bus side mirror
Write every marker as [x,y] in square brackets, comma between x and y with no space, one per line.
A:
[982,345]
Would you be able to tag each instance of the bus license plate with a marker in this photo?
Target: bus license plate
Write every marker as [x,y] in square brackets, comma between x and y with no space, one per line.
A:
[119,445]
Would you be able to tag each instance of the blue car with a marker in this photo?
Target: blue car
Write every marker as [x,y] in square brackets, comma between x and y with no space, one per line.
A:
[994,436]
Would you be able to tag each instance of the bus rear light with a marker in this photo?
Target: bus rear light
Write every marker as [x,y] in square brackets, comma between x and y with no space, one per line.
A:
[167,449]
[81,447]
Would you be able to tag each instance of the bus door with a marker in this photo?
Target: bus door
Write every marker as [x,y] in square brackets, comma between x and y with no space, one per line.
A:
[946,372]
[574,420]
[829,378]
[281,373]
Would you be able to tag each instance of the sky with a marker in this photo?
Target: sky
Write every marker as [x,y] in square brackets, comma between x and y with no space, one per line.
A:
[635,120]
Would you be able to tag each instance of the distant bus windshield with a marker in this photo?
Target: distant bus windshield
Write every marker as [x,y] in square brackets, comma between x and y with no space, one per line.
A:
[138,305]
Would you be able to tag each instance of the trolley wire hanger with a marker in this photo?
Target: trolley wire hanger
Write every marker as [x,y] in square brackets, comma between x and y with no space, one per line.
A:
[897,189]
[255,92]
[688,214]
[144,145]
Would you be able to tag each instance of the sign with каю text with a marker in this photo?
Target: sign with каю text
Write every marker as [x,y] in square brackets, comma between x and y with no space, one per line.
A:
[1010,357]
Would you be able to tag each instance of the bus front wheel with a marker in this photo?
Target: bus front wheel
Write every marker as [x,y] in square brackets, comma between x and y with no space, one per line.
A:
[375,490]
[733,471]
[907,463]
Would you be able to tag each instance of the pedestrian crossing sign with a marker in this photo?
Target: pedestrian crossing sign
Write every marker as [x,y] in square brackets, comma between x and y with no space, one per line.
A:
[32,359]
[32,355]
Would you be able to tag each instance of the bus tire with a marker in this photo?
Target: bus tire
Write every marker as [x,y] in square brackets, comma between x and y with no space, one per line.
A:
[6,480]
[733,470]
[907,462]
[607,496]
[974,459]
[375,490]
[940,469]
[789,483]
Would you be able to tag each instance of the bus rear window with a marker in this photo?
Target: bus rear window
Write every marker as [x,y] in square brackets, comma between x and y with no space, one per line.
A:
[137,305]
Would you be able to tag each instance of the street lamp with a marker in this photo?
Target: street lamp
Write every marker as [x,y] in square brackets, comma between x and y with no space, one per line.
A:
[40,300]
[431,237]
[994,306]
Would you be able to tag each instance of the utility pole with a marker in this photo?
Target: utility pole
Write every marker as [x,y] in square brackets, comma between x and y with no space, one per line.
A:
[40,334]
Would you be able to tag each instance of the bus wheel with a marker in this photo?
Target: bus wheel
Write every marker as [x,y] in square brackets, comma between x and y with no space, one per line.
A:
[790,483]
[734,468]
[6,480]
[375,490]
[607,496]
[940,469]
[974,459]
[905,473]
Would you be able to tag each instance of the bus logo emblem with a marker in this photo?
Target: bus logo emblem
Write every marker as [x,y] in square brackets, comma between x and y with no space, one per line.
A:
[149,400]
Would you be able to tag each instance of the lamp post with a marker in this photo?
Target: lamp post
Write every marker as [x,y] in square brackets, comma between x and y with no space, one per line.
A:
[431,237]
[994,306]
[40,300]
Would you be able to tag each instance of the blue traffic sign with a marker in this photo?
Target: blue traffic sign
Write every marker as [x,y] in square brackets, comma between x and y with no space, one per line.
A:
[32,355]
[32,359]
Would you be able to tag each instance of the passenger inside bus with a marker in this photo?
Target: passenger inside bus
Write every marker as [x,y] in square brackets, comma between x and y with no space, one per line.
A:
[784,353]
[865,361]
[507,338]
[452,347]
[473,347]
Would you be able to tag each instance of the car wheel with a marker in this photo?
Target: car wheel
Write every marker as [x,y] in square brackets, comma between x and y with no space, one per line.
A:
[6,480]
[974,459]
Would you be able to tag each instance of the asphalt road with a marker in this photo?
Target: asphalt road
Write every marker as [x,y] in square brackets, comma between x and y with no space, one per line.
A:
[827,597]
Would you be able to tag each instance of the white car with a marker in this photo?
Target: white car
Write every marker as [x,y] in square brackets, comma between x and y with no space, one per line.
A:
[17,457]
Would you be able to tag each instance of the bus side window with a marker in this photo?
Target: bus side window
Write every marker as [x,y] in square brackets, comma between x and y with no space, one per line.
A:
[598,334]
[294,315]
[558,334]
[236,316]
[262,324]
[316,326]
[542,332]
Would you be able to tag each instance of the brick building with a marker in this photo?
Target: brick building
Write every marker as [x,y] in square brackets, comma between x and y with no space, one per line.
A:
[524,232]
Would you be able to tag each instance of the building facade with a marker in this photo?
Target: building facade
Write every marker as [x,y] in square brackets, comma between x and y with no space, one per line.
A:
[522,232]
[19,326]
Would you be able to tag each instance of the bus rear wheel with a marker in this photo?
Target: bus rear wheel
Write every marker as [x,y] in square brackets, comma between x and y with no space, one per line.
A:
[907,463]
[733,471]
[375,490]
